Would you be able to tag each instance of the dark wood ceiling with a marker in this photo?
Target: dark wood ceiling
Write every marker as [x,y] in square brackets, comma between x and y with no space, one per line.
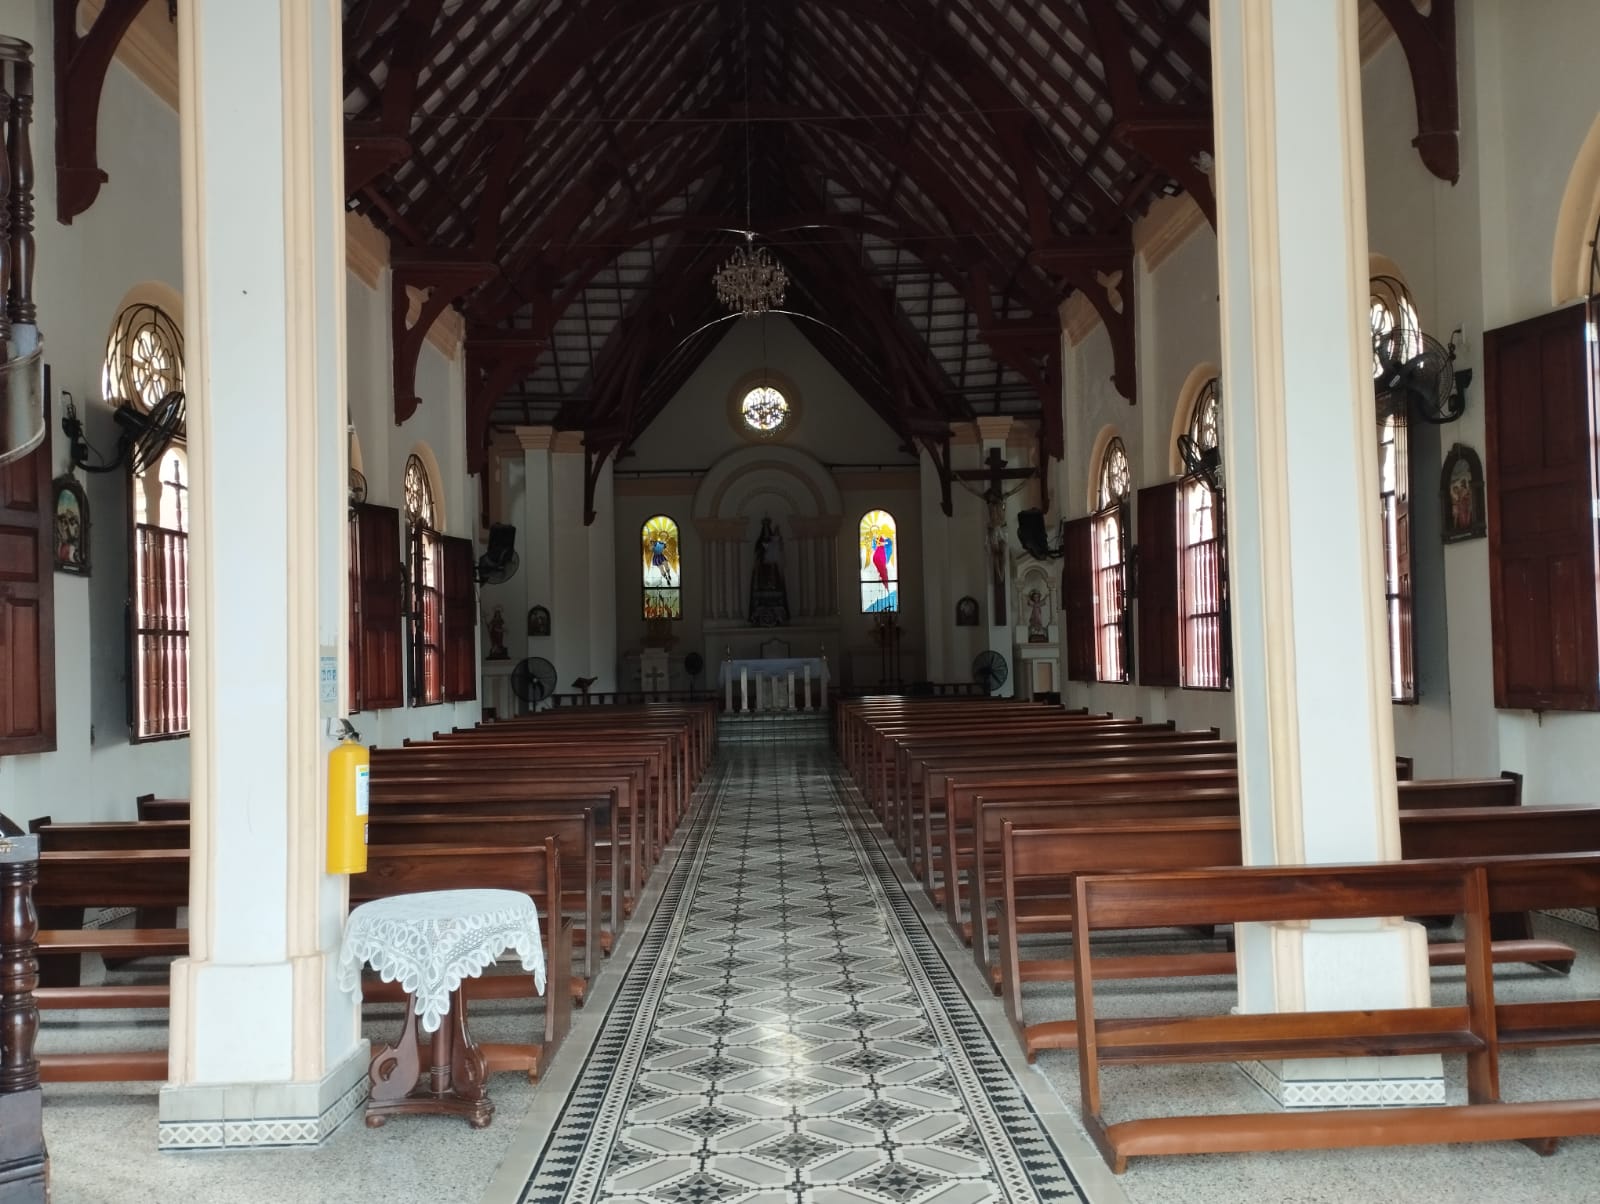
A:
[571,173]
[936,177]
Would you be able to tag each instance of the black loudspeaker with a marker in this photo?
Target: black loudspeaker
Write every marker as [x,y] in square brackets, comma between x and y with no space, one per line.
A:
[1031,534]
[502,544]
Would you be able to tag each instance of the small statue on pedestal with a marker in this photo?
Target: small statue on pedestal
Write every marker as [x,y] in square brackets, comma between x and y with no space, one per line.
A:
[497,637]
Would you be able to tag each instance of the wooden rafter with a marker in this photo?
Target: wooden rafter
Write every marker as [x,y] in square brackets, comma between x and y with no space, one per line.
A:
[81,63]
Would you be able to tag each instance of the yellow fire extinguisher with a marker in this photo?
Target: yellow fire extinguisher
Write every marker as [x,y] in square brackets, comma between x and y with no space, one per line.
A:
[348,766]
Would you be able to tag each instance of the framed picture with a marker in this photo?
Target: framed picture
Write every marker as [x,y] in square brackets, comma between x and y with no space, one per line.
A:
[1461,495]
[72,526]
[539,621]
[967,612]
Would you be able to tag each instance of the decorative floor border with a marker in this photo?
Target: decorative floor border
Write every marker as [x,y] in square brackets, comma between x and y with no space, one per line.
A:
[1025,1157]
[572,1164]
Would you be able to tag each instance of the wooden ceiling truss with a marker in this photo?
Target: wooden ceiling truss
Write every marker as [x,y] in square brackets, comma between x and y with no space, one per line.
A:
[936,176]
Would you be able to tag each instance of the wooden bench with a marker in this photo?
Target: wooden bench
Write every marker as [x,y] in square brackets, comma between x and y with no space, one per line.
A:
[976,841]
[1040,866]
[1480,1030]
[160,878]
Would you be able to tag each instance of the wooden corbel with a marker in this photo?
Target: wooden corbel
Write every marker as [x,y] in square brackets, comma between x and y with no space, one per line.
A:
[1429,42]
[596,449]
[81,65]
[1176,138]
[495,362]
[442,282]
[368,154]
[934,435]
[1103,273]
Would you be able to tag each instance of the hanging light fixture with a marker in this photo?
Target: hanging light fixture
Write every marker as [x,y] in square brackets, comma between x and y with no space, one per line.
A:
[751,282]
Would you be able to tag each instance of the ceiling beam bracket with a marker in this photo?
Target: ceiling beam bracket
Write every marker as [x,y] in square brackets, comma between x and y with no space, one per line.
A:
[1429,42]
[82,61]
[441,283]
[494,363]
[1103,273]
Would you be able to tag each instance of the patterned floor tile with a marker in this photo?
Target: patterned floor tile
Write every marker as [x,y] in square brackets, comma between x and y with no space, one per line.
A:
[789,1033]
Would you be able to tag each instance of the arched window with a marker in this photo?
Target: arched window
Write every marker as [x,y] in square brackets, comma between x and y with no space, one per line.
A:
[880,562]
[144,366]
[1109,541]
[662,568]
[426,570]
[1396,334]
[1201,571]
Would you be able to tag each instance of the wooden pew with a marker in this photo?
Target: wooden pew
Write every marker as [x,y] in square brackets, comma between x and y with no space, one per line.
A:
[1040,865]
[1480,1030]
[976,841]
[160,878]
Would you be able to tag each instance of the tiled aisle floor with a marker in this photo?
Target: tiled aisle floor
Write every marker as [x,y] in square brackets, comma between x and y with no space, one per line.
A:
[788,1034]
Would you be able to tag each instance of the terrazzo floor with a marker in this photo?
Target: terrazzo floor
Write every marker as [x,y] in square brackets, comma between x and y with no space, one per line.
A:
[788,1021]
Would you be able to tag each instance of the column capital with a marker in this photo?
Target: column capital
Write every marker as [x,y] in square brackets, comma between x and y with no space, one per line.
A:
[534,438]
[720,528]
[993,428]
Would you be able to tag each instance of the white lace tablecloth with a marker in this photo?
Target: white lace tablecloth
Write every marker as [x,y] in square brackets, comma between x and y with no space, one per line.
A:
[433,940]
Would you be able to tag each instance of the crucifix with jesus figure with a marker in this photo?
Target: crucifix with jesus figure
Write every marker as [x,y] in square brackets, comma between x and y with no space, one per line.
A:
[995,474]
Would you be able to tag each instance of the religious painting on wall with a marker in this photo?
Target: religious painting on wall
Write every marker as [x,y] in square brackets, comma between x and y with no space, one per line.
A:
[1461,495]
[71,526]
[880,563]
[967,612]
[539,621]
[662,569]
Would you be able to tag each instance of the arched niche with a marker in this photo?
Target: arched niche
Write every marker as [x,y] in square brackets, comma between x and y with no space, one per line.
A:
[1575,223]
[788,480]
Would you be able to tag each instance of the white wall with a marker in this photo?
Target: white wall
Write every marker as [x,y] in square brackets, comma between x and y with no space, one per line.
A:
[131,236]
[385,448]
[1475,255]
[833,425]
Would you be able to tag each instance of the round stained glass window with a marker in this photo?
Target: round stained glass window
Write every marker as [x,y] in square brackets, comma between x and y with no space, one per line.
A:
[765,410]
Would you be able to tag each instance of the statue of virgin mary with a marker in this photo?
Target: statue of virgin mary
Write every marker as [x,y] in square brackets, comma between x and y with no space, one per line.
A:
[769,600]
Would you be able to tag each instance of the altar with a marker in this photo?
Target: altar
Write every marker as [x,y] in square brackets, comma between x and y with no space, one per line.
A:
[774,683]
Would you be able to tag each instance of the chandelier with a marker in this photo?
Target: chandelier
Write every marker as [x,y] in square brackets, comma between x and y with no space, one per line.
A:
[750,282]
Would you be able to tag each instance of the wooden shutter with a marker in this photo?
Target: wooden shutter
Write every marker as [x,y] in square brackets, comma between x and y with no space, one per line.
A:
[1159,622]
[1077,593]
[27,606]
[460,621]
[376,600]
[1540,498]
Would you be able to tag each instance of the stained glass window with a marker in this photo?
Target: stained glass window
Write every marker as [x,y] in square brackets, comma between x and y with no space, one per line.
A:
[419,494]
[662,568]
[1110,544]
[765,410]
[880,562]
[1396,335]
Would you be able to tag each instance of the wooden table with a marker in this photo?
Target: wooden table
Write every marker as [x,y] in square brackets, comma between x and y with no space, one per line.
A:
[431,942]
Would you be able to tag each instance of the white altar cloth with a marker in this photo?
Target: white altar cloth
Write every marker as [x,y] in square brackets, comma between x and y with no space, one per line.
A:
[774,666]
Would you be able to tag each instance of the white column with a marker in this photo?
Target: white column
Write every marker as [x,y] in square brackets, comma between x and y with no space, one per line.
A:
[534,533]
[727,704]
[744,687]
[808,685]
[602,585]
[260,1033]
[1311,686]
[938,610]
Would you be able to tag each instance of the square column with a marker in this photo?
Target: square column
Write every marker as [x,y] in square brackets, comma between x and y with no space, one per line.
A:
[998,549]
[264,1048]
[1311,685]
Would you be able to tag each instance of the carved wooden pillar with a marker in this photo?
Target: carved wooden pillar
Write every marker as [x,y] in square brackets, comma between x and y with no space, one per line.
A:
[18,278]
[23,1162]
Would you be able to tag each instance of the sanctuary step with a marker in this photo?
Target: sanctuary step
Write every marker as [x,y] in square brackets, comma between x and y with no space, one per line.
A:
[766,726]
